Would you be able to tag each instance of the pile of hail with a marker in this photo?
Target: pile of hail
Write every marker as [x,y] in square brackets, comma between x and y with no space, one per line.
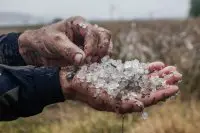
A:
[129,78]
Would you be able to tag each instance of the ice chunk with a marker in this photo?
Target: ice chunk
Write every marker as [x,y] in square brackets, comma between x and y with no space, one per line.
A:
[128,65]
[129,78]
[105,59]
[144,115]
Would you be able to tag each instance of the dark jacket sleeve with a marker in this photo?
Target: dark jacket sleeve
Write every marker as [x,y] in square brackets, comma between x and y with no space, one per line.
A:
[9,50]
[25,91]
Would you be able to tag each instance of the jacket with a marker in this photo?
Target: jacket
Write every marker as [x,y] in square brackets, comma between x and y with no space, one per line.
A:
[24,90]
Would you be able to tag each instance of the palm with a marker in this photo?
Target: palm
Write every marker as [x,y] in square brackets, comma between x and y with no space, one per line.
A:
[103,102]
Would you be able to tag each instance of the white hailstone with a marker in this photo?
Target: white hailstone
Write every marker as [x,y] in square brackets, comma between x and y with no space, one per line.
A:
[128,79]
[144,115]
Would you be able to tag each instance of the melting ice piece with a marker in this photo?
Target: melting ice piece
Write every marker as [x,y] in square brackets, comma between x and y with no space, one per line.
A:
[128,78]
[144,115]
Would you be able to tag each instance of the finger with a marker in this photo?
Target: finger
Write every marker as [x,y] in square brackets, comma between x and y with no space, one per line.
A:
[104,44]
[104,103]
[90,44]
[166,71]
[159,95]
[72,53]
[154,74]
[110,49]
[173,78]
[156,66]
[129,106]
[79,25]
[72,22]
[54,62]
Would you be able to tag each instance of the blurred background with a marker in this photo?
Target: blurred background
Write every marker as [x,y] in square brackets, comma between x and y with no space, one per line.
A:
[41,11]
[149,30]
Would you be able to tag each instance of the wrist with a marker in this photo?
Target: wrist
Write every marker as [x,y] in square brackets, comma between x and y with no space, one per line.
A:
[66,83]
[47,84]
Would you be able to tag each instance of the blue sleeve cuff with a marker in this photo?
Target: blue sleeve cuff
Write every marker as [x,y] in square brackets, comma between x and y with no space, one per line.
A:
[47,85]
[9,50]
[26,90]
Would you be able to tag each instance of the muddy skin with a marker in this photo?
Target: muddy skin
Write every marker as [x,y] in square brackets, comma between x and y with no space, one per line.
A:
[58,44]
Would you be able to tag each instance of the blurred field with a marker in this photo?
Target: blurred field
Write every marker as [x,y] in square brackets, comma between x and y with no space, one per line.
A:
[176,42]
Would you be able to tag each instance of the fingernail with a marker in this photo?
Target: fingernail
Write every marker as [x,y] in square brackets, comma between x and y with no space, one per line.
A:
[78,58]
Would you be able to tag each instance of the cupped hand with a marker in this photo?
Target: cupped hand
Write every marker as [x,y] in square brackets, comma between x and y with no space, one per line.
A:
[68,42]
[84,92]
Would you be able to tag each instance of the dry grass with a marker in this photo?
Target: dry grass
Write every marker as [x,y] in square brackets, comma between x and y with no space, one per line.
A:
[173,42]
[171,118]
[69,118]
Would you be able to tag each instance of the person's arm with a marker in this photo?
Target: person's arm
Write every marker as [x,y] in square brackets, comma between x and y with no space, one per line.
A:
[9,50]
[25,91]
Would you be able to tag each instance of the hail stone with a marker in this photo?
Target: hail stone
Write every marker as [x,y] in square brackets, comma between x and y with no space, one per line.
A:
[128,79]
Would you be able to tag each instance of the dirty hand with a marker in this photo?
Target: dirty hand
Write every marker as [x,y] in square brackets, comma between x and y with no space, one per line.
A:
[68,42]
[82,91]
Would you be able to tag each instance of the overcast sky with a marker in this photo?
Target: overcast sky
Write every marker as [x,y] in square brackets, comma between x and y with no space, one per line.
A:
[101,9]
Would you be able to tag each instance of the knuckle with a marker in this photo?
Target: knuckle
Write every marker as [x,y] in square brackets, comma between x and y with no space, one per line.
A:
[105,38]
[170,67]
[57,38]
[110,47]
[75,19]
[67,24]
[104,46]
[153,101]
[108,33]
[25,38]
[78,18]
[108,36]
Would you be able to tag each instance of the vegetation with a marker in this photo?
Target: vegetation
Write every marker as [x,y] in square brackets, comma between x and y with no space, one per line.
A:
[195,8]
